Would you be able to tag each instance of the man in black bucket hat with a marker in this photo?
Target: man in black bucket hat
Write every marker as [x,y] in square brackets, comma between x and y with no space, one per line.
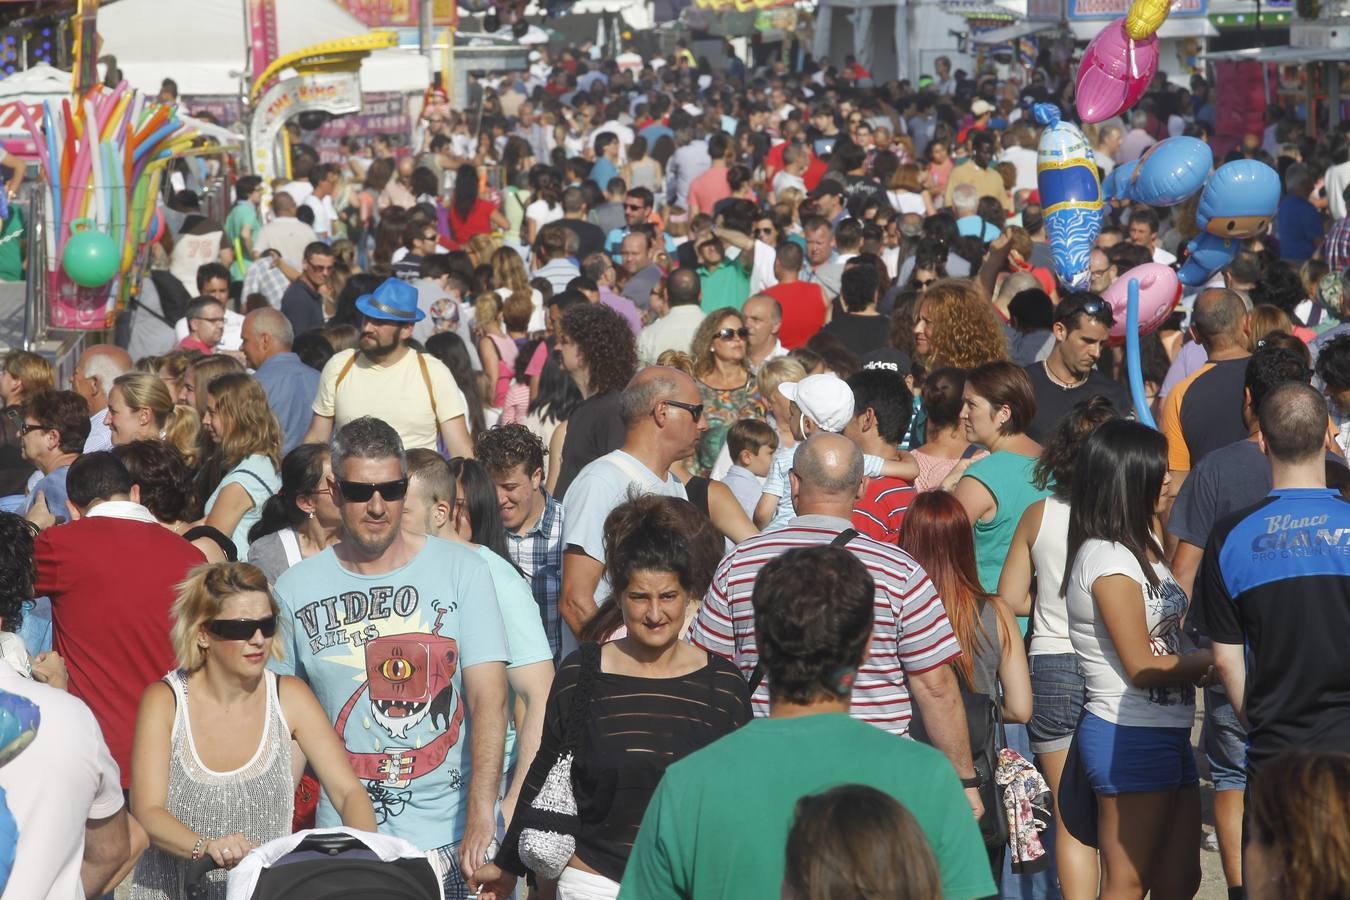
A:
[388,379]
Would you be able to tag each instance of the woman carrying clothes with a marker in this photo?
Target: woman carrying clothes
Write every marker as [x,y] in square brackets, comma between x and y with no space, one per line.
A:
[248,450]
[1057,685]
[653,700]
[1125,614]
[211,762]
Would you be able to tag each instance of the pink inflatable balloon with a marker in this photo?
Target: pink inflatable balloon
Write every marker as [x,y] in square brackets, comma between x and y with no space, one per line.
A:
[1114,73]
[1159,291]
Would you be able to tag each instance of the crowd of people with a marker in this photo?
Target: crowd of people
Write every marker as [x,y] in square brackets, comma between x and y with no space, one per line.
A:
[670,482]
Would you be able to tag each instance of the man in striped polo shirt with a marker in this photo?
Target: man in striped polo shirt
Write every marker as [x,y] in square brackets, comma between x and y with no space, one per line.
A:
[912,640]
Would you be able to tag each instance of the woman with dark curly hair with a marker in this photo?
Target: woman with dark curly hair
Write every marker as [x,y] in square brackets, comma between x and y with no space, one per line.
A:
[16,588]
[1058,688]
[652,698]
[726,384]
[955,326]
[165,482]
[599,352]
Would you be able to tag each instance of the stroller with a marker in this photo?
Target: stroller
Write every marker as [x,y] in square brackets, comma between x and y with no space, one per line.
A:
[334,864]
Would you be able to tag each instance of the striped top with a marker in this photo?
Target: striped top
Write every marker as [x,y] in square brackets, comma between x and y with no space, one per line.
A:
[910,634]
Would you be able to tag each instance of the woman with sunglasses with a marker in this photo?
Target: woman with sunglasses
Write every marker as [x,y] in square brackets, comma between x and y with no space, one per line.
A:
[300,519]
[725,382]
[212,764]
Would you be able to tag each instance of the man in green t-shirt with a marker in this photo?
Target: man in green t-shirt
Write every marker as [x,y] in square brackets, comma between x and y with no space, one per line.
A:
[725,282]
[242,224]
[718,823]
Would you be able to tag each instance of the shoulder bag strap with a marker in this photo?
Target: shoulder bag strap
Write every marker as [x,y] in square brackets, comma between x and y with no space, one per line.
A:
[579,709]
[342,373]
[431,395]
[840,540]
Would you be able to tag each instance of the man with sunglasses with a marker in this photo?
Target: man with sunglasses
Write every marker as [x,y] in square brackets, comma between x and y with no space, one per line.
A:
[401,639]
[662,413]
[637,213]
[303,301]
[1069,374]
[55,427]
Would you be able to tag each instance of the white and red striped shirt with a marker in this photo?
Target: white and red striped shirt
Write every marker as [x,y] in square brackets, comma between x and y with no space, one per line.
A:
[910,634]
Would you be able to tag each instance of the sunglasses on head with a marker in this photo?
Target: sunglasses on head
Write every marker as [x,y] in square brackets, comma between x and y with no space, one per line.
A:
[362,491]
[726,334]
[242,629]
[694,409]
[1093,308]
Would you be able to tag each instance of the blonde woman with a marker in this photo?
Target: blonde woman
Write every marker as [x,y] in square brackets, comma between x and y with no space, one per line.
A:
[248,450]
[140,409]
[211,763]
[192,386]
[729,389]
[906,193]
[510,278]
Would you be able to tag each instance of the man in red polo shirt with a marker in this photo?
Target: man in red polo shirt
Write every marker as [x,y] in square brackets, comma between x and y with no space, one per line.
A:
[804,305]
[882,406]
[112,575]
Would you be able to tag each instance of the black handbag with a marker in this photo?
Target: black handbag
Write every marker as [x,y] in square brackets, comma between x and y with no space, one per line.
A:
[984,721]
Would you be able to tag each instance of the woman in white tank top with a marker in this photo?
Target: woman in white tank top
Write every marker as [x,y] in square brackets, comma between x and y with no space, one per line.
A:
[212,772]
[1037,553]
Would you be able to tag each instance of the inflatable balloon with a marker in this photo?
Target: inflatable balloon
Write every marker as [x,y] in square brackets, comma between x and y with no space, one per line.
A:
[91,257]
[1238,202]
[19,722]
[1071,196]
[1146,17]
[1134,368]
[1167,173]
[1159,291]
[1114,73]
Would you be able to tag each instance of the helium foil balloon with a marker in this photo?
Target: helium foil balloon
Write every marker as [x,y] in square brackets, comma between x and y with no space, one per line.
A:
[1114,73]
[1167,173]
[1071,195]
[1159,291]
[1238,202]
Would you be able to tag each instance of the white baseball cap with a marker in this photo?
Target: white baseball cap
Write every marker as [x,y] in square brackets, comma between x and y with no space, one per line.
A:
[980,107]
[824,399]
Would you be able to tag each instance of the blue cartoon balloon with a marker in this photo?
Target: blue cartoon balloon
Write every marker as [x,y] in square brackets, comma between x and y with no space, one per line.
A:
[1239,201]
[1071,195]
[1167,173]
[19,721]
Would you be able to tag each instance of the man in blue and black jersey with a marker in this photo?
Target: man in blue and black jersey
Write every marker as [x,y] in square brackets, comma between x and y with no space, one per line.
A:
[1273,592]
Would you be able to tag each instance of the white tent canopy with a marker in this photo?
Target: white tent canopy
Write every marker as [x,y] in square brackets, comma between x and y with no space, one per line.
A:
[35,84]
[202,44]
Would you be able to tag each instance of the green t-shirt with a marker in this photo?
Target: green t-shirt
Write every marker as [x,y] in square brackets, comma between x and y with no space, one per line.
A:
[729,285]
[717,825]
[243,215]
[11,250]
[1007,477]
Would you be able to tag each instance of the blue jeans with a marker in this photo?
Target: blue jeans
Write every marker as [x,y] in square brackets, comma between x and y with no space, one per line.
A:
[1224,741]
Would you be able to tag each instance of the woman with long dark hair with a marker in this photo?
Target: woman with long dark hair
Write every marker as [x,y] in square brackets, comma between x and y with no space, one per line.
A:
[548,413]
[546,189]
[450,349]
[1058,687]
[1125,614]
[467,214]
[299,520]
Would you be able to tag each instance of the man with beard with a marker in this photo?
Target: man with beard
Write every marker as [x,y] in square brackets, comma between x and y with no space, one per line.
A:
[414,392]
[401,639]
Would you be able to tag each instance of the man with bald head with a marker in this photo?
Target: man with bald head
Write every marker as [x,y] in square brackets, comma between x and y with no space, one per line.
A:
[675,330]
[912,639]
[290,385]
[662,414]
[637,254]
[94,373]
[1204,412]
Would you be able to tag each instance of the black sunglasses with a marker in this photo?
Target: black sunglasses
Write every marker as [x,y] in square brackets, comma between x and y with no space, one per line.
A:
[726,334]
[27,427]
[362,491]
[1093,308]
[242,629]
[694,409]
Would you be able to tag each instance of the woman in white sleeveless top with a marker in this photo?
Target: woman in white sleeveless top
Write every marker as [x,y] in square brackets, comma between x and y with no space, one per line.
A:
[211,768]
[1058,687]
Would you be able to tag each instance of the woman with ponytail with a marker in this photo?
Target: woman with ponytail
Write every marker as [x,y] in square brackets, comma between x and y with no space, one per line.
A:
[140,409]
[299,520]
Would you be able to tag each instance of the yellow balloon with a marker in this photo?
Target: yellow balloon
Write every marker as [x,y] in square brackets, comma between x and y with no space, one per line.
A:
[1146,17]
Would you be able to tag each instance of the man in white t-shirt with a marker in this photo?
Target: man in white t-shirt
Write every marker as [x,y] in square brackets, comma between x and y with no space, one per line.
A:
[796,159]
[324,177]
[285,233]
[663,415]
[414,392]
[63,789]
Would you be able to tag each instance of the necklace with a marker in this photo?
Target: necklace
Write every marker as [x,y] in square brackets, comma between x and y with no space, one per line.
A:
[1045,364]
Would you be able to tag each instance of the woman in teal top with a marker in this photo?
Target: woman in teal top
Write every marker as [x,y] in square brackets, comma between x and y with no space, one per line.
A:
[248,447]
[998,405]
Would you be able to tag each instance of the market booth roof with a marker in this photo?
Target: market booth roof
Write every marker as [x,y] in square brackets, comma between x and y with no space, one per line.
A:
[201,45]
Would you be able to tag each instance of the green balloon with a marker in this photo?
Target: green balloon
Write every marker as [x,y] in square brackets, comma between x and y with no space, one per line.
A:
[90,258]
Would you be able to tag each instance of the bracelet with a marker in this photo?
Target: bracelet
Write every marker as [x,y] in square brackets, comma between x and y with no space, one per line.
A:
[972,782]
[197,848]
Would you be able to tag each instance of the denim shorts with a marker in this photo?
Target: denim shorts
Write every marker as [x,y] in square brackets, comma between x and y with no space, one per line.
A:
[1135,759]
[1057,694]
[1224,741]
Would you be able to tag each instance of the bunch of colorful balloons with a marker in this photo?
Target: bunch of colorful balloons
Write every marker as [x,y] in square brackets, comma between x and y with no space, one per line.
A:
[1236,202]
[101,157]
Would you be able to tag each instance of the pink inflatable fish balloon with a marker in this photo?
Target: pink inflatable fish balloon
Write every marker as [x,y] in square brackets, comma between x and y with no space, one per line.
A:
[1159,291]
[1115,72]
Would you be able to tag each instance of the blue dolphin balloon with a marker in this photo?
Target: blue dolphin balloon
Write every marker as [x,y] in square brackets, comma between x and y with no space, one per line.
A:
[1167,173]
[1239,201]
[1071,195]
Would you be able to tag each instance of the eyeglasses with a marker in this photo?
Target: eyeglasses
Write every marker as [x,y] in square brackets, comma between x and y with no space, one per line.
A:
[727,334]
[214,321]
[1092,307]
[362,491]
[29,426]
[694,409]
[241,629]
